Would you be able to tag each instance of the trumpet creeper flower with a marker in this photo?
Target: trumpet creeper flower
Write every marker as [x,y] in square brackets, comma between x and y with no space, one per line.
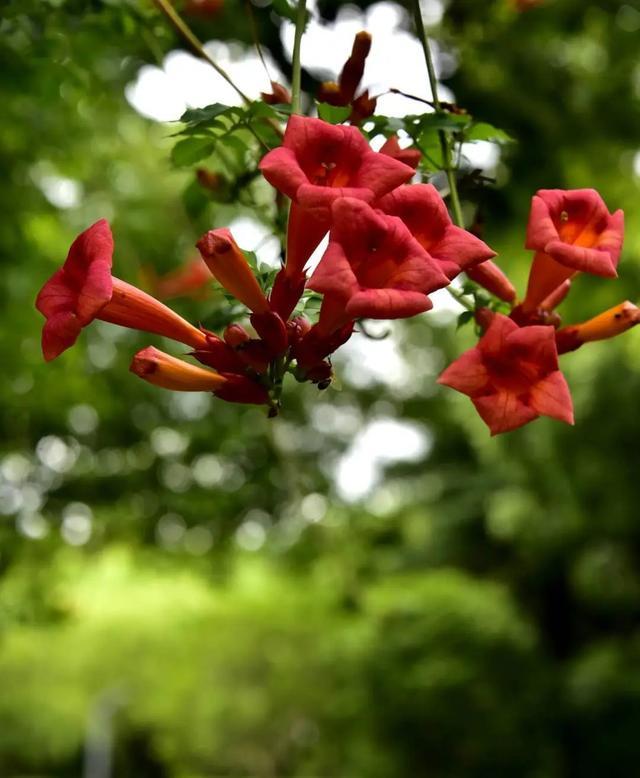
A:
[372,268]
[512,376]
[571,231]
[83,289]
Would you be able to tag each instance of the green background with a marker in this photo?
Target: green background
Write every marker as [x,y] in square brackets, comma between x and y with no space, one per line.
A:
[477,614]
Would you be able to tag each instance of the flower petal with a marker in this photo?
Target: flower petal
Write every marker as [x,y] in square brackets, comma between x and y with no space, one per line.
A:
[551,397]
[503,412]
[387,304]
[467,374]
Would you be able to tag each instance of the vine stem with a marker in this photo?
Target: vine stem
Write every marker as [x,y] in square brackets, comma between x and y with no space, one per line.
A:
[301,18]
[444,139]
[445,143]
[183,29]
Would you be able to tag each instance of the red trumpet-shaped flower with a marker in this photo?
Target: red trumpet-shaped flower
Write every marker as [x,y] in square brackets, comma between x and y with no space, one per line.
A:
[228,265]
[83,289]
[512,376]
[373,268]
[316,164]
[423,211]
[571,231]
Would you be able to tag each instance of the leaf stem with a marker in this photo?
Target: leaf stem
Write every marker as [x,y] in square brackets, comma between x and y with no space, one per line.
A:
[461,298]
[183,29]
[445,143]
[301,19]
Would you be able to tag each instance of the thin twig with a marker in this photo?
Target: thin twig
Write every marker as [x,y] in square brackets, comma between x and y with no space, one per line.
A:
[183,29]
[444,140]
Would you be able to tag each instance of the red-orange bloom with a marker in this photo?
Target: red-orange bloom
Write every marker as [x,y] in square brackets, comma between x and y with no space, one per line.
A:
[316,164]
[373,268]
[228,265]
[571,231]
[512,376]
[423,211]
[83,289]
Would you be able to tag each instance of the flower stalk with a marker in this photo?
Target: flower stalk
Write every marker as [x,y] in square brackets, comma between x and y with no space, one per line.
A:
[445,144]
[301,19]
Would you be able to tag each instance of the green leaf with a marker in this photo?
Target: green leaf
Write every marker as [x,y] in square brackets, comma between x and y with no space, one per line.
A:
[206,114]
[334,114]
[448,122]
[464,318]
[191,150]
[484,131]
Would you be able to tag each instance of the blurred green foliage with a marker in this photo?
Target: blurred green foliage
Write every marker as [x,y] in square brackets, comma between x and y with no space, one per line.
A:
[186,576]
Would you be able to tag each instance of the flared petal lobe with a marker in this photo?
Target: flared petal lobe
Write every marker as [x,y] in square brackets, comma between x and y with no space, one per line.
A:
[77,292]
[425,215]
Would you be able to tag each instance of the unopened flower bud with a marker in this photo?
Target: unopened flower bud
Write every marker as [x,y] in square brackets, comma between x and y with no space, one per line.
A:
[166,371]
[235,335]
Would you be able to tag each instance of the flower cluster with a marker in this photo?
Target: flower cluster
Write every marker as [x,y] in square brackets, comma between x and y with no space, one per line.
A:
[512,375]
[390,245]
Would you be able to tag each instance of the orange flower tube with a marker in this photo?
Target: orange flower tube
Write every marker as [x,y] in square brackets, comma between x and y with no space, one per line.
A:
[168,372]
[606,325]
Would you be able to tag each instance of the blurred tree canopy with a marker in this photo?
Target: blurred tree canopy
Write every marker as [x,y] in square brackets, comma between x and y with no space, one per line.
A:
[189,576]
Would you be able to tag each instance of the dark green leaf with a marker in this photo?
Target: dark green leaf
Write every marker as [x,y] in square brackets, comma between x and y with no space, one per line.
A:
[464,318]
[484,131]
[206,114]
[191,150]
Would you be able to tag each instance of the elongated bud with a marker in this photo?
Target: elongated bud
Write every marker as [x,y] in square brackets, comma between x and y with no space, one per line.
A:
[166,371]
[272,330]
[484,317]
[131,307]
[606,325]
[489,275]
[330,92]
[229,266]
[255,354]
[239,389]
[286,292]
[235,335]
[353,69]
[297,328]
[556,297]
[362,107]
[278,95]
